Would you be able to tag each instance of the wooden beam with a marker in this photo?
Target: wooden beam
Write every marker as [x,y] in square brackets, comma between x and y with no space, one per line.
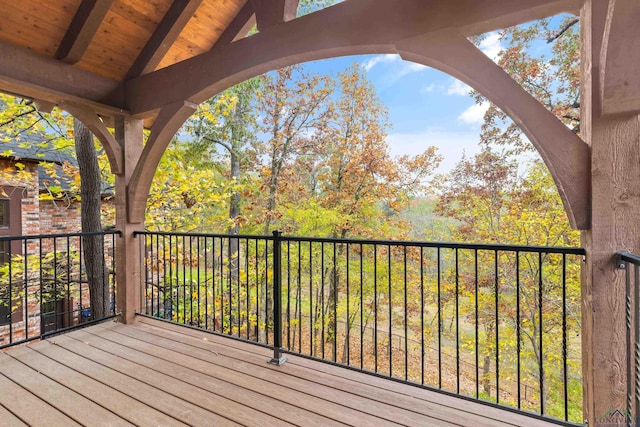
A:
[274,12]
[239,27]
[129,134]
[615,180]
[163,37]
[564,153]
[29,74]
[44,106]
[95,124]
[83,27]
[348,28]
[620,59]
[170,119]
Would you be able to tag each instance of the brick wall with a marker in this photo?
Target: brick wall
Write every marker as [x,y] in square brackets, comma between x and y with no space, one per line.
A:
[59,217]
[40,217]
[25,180]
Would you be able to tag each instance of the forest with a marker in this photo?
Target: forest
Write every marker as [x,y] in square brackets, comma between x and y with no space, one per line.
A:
[307,154]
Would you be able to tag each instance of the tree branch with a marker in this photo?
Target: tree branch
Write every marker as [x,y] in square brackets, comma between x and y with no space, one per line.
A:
[16,117]
[562,30]
[219,142]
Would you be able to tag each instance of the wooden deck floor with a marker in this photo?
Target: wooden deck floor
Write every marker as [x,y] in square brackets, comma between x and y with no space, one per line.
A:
[155,373]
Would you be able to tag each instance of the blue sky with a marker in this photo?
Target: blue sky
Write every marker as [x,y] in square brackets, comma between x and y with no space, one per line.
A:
[426,106]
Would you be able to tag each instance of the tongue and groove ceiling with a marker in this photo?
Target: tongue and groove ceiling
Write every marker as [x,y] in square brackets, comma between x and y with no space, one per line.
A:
[121,30]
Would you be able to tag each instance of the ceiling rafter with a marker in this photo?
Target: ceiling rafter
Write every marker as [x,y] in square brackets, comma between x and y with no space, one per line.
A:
[273,12]
[239,27]
[163,37]
[83,27]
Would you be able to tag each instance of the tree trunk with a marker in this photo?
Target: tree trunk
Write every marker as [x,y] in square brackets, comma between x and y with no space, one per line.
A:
[234,204]
[93,246]
[234,244]
[486,375]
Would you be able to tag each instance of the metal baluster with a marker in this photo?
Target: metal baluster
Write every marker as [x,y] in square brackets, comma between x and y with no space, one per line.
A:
[439,322]
[518,326]
[540,333]
[565,391]
[475,275]
[497,324]
[457,322]
[348,324]
[421,315]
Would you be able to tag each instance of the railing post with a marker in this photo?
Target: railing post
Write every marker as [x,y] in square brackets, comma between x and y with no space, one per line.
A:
[277,359]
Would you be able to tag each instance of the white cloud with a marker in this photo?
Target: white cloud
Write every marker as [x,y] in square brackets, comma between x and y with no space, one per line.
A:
[379,59]
[411,67]
[474,115]
[458,88]
[400,67]
[491,46]
[429,88]
[450,144]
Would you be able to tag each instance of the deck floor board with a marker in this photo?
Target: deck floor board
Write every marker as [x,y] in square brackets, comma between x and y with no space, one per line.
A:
[156,373]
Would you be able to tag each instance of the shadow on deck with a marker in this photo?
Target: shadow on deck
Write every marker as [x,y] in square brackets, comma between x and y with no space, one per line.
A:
[155,373]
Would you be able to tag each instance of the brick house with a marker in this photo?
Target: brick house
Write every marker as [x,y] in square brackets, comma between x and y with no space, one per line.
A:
[36,198]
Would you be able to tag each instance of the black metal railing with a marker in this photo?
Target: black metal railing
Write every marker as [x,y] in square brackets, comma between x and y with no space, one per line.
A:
[216,282]
[46,283]
[631,264]
[496,323]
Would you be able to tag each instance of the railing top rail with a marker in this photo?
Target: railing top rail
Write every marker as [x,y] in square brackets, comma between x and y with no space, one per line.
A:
[62,235]
[216,235]
[628,257]
[447,245]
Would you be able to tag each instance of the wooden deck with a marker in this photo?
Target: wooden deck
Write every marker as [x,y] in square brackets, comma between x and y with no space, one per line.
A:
[155,373]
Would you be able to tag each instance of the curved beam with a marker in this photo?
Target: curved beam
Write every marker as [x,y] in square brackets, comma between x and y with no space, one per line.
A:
[620,59]
[564,153]
[422,30]
[348,28]
[169,120]
[92,121]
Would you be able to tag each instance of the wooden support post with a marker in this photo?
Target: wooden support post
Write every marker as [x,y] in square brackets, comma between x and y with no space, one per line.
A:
[615,194]
[128,133]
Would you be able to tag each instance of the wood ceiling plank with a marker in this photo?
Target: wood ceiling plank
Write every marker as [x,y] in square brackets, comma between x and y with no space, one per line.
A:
[176,54]
[59,14]
[164,36]
[207,24]
[104,66]
[30,31]
[239,27]
[115,46]
[144,14]
[155,9]
[198,36]
[83,27]
[117,26]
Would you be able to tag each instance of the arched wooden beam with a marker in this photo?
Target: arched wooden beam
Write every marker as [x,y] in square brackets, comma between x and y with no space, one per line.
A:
[169,120]
[564,153]
[348,28]
[620,59]
[417,21]
[92,121]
